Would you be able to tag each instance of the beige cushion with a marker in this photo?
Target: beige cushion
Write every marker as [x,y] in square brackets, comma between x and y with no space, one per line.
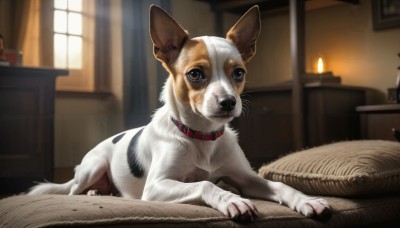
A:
[108,211]
[350,168]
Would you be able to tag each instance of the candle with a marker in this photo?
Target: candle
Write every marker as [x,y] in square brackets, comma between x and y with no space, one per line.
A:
[320,66]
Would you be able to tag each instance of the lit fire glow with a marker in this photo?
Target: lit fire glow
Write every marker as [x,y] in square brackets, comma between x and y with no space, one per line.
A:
[320,66]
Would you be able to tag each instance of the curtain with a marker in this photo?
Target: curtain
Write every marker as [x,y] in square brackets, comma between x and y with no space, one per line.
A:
[19,24]
[31,49]
[134,67]
[135,72]
[14,17]
[102,54]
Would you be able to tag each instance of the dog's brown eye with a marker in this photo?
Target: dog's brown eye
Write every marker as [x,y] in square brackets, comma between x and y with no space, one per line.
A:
[195,75]
[238,74]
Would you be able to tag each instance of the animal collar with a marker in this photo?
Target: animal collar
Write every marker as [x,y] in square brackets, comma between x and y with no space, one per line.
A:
[196,134]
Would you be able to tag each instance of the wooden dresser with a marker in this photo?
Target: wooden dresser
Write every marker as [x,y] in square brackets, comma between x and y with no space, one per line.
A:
[265,127]
[26,126]
[377,121]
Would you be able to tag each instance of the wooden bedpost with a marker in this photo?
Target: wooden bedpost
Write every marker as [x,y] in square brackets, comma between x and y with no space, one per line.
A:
[297,11]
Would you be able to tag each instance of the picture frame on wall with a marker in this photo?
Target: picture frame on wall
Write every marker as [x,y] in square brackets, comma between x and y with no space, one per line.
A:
[385,14]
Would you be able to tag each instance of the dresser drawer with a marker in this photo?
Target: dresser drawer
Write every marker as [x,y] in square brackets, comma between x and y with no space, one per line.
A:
[377,121]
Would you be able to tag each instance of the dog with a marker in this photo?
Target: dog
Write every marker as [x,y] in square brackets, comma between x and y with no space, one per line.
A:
[188,146]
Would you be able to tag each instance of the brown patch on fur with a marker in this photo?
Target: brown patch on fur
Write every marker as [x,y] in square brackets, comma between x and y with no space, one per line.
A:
[194,55]
[230,66]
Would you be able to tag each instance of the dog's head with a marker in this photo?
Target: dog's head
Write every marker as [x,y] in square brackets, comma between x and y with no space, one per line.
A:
[208,72]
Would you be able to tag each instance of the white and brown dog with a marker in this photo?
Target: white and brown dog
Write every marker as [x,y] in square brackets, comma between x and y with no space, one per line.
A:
[188,146]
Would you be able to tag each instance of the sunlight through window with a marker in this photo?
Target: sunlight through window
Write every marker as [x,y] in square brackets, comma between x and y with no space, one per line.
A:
[75,23]
[75,5]
[75,52]
[60,51]
[60,21]
[68,34]
[60,4]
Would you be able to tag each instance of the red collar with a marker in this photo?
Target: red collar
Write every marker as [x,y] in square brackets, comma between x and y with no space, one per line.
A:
[196,134]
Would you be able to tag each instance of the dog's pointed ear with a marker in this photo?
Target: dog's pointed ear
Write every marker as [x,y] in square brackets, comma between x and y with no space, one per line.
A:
[245,32]
[167,35]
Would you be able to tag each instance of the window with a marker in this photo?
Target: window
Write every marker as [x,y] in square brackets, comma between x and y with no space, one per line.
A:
[76,36]
[67,34]
[73,32]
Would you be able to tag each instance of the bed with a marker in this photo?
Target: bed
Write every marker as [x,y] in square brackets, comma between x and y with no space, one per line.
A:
[360,179]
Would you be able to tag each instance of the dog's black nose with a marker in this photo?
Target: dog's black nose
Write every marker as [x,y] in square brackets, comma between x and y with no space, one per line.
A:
[227,103]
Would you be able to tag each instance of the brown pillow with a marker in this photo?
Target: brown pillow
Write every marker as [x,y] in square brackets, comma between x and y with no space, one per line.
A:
[351,168]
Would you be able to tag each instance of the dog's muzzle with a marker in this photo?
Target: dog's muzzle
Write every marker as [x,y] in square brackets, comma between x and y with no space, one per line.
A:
[227,103]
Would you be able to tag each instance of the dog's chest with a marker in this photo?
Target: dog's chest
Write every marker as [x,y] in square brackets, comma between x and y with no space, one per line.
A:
[203,162]
[204,152]
[197,174]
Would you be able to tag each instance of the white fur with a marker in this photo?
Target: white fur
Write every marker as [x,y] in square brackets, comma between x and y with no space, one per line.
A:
[179,169]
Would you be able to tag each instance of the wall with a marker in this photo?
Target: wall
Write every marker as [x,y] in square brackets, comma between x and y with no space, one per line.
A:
[81,122]
[84,120]
[343,34]
[194,16]
[271,64]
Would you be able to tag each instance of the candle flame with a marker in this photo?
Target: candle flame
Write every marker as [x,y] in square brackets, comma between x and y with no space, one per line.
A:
[320,66]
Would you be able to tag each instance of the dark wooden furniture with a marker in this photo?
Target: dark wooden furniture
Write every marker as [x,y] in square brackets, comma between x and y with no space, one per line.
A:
[266,6]
[266,128]
[377,121]
[26,126]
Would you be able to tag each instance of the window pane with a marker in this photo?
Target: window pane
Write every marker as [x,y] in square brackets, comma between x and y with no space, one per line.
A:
[60,4]
[75,23]
[60,21]
[74,52]
[75,5]
[60,51]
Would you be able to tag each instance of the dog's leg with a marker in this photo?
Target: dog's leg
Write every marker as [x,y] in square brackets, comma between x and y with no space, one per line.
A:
[253,186]
[229,204]
[237,172]
[88,173]
[203,192]
[256,187]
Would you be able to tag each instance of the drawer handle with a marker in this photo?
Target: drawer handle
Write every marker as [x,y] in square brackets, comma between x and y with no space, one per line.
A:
[396,134]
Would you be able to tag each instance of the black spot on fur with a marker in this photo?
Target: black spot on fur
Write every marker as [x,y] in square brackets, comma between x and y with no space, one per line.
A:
[136,168]
[117,138]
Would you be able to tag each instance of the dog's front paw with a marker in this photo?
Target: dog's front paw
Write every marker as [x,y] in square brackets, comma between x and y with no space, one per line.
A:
[315,208]
[239,209]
